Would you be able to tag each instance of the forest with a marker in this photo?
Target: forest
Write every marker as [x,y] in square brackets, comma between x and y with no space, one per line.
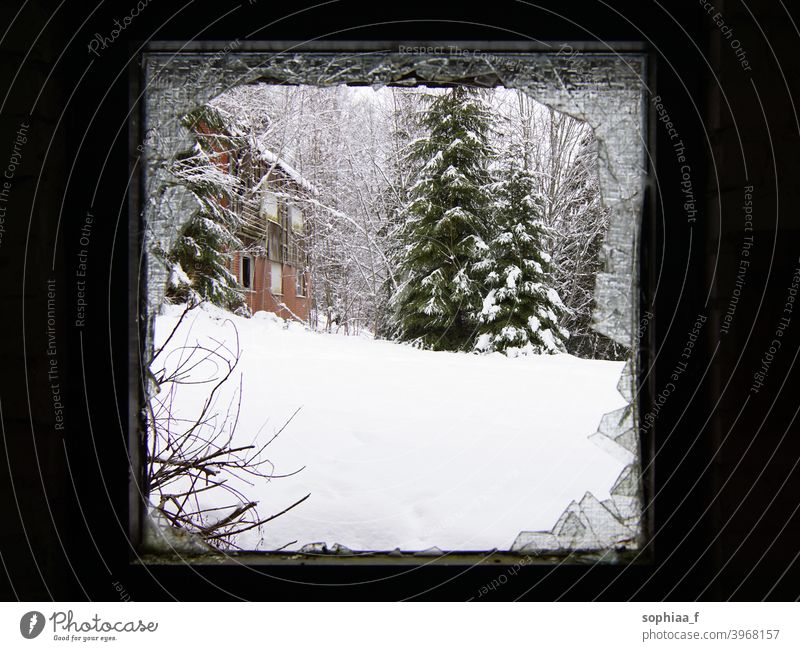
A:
[444,359]
[450,218]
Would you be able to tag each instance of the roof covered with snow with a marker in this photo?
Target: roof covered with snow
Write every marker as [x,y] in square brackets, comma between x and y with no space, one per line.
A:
[233,127]
[271,158]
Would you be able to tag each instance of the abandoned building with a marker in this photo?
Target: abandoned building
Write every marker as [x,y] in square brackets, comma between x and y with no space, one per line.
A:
[272,265]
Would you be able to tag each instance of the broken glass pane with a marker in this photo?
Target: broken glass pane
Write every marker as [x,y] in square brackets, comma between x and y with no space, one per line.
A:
[604,90]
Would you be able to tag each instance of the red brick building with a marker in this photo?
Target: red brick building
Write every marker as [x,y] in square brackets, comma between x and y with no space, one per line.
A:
[272,265]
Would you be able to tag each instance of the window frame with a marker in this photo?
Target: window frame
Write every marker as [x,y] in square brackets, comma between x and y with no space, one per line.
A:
[301,284]
[646,393]
[273,264]
[251,286]
[276,218]
[297,229]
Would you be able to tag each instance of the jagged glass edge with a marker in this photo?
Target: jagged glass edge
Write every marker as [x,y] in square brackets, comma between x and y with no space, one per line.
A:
[604,90]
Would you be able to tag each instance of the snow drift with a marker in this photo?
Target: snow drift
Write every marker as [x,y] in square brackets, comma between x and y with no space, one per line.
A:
[406,448]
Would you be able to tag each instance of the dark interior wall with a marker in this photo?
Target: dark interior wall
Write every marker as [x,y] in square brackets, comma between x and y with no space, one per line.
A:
[754,428]
[725,457]
[34,487]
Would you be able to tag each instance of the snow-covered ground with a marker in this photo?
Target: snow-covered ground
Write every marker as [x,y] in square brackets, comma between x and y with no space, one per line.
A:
[408,448]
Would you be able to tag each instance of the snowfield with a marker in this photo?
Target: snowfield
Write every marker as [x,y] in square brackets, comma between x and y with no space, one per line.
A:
[405,448]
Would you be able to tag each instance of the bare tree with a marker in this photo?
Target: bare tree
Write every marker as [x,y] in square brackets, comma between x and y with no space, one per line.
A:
[351,144]
[195,470]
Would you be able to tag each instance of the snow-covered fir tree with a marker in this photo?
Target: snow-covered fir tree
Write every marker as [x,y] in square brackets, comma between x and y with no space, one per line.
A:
[444,224]
[521,310]
[199,259]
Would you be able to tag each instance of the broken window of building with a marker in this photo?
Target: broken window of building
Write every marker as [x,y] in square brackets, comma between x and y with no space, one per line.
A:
[594,101]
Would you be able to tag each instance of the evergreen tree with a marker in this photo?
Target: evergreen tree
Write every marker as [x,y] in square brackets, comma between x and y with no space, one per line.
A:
[199,258]
[199,264]
[444,224]
[521,310]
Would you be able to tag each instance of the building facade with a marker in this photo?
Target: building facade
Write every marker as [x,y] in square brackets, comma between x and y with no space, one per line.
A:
[272,264]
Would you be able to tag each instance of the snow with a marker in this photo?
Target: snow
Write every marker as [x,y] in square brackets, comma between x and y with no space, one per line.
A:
[490,308]
[462,281]
[404,447]
[554,298]
[548,339]
[480,245]
[273,159]
[217,229]
[455,178]
[513,272]
[178,277]
[433,307]
[433,162]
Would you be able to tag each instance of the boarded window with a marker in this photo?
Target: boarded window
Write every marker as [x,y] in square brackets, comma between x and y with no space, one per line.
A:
[296,219]
[276,278]
[269,207]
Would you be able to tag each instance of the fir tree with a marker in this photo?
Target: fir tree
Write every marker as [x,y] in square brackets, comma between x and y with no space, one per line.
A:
[199,259]
[521,310]
[444,224]
[199,264]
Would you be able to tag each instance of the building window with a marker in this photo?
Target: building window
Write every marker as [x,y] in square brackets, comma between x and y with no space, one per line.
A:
[246,269]
[609,521]
[276,278]
[269,207]
[296,219]
[274,247]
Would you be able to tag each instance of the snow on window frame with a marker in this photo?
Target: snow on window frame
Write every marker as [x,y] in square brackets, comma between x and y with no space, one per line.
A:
[601,84]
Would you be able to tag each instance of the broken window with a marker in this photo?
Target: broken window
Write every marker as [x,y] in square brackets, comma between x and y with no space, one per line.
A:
[246,277]
[542,473]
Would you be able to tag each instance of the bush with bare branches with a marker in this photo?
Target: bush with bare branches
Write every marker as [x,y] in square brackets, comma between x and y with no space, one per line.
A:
[197,472]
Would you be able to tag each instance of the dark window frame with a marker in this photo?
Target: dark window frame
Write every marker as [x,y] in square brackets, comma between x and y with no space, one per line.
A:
[250,260]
